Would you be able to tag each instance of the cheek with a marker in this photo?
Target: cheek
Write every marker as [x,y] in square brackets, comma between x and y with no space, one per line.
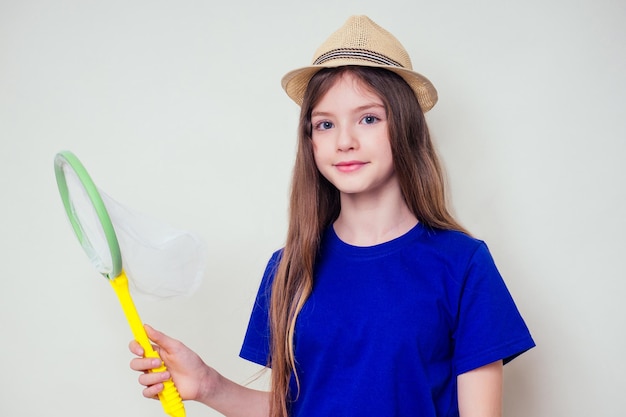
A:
[314,146]
[315,151]
[323,161]
[319,162]
[318,152]
[386,156]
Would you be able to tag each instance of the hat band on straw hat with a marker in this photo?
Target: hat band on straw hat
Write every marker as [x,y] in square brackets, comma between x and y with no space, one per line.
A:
[351,53]
[361,42]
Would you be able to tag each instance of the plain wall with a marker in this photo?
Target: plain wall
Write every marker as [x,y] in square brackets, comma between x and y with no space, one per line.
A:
[176,110]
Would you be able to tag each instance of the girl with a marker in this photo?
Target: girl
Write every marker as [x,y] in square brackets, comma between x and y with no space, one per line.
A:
[380,303]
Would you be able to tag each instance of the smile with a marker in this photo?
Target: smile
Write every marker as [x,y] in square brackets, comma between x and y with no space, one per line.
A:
[349,166]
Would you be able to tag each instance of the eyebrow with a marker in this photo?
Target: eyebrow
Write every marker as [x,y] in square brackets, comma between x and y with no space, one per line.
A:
[359,109]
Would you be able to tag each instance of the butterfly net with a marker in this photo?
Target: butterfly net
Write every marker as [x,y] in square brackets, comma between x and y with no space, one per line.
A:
[159,260]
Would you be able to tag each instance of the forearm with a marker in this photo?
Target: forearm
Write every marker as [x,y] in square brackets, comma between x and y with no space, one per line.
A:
[480,391]
[234,400]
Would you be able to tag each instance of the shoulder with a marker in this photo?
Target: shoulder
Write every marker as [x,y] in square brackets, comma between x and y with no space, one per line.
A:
[454,253]
[270,272]
[451,242]
[272,264]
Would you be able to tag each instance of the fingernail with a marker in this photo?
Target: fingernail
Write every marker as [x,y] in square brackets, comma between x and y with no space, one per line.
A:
[156,363]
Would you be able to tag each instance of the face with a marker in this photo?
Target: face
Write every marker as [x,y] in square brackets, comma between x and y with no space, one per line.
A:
[351,140]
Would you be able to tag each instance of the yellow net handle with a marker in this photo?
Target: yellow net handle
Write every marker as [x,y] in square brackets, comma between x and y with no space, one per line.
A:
[169,397]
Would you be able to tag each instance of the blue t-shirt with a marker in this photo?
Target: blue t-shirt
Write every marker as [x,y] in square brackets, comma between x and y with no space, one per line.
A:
[388,328]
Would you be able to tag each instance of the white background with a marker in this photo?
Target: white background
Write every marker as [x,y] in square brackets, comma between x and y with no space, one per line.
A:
[177,111]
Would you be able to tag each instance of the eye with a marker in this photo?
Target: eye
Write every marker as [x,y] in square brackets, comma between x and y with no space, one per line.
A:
[323,125]
[369,119]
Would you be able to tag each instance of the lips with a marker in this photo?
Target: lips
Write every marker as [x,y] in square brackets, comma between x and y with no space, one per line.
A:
[349,166]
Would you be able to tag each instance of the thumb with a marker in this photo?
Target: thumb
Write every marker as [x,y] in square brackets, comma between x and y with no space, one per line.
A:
[158,337]
[166,347]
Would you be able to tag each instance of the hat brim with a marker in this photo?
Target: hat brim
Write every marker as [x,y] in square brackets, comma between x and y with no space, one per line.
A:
[295,82]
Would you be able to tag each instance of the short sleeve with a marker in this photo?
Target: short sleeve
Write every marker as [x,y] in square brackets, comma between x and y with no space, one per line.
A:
[256,344]
[489,326]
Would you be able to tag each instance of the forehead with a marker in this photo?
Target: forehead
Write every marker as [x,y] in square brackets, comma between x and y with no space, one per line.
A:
[346,89]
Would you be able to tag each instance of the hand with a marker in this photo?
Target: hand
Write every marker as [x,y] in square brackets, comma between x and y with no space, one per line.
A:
[192,377]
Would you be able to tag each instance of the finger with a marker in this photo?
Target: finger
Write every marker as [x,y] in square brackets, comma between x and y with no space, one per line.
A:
[161,339]
[145,364]
[153,378]
[156,336]
[136,348]
[153,391]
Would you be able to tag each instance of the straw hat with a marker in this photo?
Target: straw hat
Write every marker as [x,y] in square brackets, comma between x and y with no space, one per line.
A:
[362,42]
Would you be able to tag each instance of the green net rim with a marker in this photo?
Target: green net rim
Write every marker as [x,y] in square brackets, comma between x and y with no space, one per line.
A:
[68,158]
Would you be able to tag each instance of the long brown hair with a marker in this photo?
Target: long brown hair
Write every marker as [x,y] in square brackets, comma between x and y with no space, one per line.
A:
[314,205]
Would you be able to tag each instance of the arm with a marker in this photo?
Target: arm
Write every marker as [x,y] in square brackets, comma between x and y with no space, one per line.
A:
[194,379]
[480,391]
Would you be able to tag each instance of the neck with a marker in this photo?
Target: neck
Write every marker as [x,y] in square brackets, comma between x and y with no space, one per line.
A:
[367,221]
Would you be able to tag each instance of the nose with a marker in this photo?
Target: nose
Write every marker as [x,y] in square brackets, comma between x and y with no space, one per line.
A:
[346,139]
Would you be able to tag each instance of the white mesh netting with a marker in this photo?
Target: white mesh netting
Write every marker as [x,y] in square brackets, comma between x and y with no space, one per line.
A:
[159,260]
[93,239]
